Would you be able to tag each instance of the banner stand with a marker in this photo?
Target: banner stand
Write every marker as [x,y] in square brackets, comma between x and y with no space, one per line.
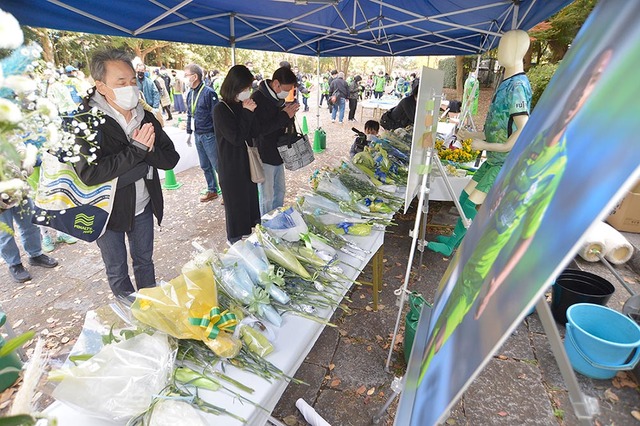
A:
[585,407]
[418,233]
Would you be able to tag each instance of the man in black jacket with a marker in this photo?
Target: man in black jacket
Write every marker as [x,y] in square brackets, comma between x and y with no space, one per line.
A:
[340,90]
[131,146]
[273,117]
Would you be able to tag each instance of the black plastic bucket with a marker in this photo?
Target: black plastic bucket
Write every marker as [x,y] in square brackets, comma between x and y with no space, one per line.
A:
[574,286]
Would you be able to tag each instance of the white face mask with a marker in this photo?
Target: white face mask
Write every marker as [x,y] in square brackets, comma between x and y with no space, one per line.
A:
[126,97]
[243,96]
[283,94]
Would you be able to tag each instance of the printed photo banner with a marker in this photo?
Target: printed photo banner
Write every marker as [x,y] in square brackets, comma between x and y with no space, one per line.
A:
[577,155]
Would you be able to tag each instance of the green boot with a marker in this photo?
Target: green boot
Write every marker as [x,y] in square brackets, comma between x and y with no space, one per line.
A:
[469,209]
[446,239]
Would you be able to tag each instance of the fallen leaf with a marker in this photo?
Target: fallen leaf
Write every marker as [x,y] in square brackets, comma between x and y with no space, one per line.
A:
[331,367]
[290,420]
[636,414]
[18,323]
[368,308]
[503,413]
[361,390]
[335,382]
[611,396]
[503,357]
[380,306]
[379,338]
[451,422]
[38,293]
[362,296]
[371,391]
[65,339]
[50,320]
[399,277]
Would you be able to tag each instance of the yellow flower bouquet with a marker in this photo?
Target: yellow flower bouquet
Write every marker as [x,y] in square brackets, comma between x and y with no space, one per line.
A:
[456,155]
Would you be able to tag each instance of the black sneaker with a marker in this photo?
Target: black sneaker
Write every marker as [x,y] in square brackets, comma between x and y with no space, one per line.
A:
[44,261]
[19,274]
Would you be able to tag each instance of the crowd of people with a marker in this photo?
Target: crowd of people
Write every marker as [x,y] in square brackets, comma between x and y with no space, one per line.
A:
[225,114]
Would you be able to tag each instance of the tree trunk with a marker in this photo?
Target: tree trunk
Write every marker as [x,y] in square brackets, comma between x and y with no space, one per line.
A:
[558,50]
[459,76]
[345,64]
[46,43]
[527,58]
[388,64]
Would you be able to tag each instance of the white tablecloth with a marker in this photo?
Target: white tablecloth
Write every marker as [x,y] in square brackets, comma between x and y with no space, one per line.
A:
[438,191]
[294,340]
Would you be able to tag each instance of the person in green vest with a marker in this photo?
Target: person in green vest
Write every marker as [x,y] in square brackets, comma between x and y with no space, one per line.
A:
[305,91]
[324,90]
[378,84]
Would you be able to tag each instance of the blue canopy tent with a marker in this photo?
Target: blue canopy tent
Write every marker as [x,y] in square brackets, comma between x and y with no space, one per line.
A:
[307,27]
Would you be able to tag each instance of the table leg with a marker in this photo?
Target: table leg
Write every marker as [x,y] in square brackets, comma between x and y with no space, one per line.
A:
[377,271]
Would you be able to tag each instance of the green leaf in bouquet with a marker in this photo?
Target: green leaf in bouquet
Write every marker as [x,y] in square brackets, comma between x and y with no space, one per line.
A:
[16,342]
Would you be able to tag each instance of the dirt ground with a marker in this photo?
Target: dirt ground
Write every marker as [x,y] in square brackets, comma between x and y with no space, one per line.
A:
[55,301]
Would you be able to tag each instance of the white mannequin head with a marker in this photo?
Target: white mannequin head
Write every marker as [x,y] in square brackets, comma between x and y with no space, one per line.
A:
[512,48]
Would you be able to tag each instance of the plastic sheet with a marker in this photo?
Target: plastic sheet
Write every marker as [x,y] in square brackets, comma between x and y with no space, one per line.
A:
[187,308]
[121,380]
[171,412]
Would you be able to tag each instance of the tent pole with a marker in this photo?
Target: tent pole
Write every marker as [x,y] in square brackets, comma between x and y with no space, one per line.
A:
[232,38]
[319,80]
[514,22]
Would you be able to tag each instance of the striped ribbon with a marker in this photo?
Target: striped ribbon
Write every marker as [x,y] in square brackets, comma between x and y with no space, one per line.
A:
[216,321]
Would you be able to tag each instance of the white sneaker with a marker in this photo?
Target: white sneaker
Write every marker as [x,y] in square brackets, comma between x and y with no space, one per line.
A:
[333,120]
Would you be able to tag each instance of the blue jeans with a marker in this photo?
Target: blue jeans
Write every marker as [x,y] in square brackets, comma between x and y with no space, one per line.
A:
[114,255]
[207,148]
[338,107]
[272,189]
[29,234]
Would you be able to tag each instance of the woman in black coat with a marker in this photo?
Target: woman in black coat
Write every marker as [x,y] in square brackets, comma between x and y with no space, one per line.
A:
[234,120]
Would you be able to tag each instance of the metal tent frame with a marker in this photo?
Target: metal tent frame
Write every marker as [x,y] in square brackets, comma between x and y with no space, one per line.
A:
[323,28]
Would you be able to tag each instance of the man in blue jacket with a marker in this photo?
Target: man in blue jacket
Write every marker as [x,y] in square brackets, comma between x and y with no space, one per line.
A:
[147,87]
[200,102]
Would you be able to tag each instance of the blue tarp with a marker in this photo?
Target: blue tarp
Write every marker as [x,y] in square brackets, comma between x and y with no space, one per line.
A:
[306,27]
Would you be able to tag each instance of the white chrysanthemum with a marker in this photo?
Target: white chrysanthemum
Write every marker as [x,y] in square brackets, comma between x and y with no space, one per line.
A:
[10,186]
[9,112]
[11,36]
[20,84]
[53,133]
[30,157]
[47,108]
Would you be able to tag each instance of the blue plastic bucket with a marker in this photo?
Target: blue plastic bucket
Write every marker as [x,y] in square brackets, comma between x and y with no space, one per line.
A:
[600,341]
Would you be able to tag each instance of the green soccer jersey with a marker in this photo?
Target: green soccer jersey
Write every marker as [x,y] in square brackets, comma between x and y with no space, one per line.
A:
[512,98]
[528,189]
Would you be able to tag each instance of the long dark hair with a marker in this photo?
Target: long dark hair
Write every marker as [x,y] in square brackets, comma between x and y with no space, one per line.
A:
[238,78]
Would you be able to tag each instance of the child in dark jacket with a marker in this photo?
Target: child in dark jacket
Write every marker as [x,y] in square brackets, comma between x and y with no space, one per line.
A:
[371,128]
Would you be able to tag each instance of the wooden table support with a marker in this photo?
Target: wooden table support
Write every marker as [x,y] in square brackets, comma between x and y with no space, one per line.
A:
[376,283]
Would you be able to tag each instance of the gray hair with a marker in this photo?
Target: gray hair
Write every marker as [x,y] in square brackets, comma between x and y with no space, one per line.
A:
[340,74]
[98,66]
[195,69]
